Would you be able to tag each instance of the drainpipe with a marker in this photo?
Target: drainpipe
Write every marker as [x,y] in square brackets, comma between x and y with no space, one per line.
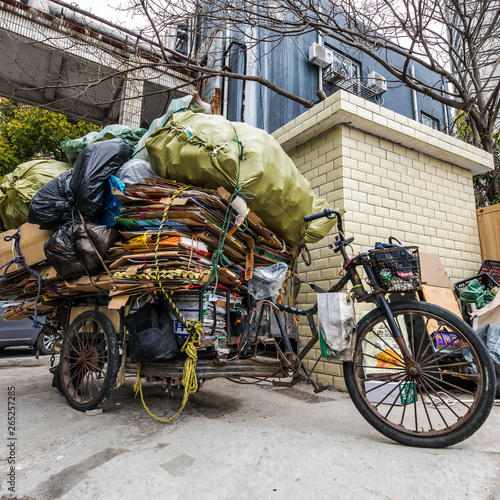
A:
[320,69]
[225,81]
[445,112]
[414,95]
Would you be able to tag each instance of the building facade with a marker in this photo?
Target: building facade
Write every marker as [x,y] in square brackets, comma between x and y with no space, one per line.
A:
[306,66]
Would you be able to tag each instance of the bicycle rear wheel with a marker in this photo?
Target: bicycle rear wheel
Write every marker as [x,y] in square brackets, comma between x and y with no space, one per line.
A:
[89,360]
[443,399]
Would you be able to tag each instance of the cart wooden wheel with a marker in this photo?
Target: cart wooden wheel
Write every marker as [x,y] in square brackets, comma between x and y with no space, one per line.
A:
[89,360]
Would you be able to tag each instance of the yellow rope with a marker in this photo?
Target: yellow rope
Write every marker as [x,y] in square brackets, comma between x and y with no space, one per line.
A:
[189,380]
[165,274]
[195,334]
[165,217]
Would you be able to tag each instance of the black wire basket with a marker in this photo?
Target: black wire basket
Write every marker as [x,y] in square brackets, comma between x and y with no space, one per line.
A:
[484,279]
[397,268]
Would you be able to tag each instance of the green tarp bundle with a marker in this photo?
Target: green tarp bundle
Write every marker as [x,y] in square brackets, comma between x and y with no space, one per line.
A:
[130,135]
[475,293]
[204,150]
[21,185]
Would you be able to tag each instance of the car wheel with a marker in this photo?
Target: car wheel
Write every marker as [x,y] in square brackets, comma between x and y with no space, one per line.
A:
[45,343]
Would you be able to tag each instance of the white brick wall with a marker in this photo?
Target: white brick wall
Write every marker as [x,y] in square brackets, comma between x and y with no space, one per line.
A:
[417,187]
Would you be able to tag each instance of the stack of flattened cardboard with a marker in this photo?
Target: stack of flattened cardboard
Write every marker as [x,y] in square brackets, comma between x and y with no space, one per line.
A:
[173,233]
[172,238]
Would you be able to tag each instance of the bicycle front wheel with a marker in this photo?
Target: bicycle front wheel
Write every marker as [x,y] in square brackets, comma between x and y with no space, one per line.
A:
[437,400]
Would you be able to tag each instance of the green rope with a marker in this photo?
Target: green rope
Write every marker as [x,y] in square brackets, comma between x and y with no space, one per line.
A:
[218,257]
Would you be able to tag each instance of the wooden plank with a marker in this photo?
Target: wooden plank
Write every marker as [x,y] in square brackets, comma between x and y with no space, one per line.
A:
[443,297]
[488,222]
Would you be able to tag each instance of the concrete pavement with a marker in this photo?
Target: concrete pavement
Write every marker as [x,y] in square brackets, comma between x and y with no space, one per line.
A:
[231,442]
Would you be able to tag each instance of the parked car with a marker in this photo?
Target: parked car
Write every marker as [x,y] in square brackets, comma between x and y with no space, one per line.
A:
[22,333]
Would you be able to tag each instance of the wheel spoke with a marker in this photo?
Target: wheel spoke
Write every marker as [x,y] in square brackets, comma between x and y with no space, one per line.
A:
[421,388]
[452,365]
[433,356]
[430,396]
[397,363]
[398,397]
[468,376]
[433,382]
[391,352]
[395,368]
[439,381]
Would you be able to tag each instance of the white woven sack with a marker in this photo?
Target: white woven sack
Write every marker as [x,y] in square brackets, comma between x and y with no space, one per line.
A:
[336,321]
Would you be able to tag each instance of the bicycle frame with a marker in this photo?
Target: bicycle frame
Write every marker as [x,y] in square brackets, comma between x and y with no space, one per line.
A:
[377,295]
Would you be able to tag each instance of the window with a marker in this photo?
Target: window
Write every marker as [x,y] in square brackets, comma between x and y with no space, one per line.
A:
[430,121]
[344,73]
[341,67]
[182,38]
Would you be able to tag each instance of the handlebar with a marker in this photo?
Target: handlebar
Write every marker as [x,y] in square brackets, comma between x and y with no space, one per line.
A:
[328,213]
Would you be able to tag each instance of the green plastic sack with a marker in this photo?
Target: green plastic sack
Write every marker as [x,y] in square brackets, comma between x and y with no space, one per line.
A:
[21,185]
[73,147]
[204,150]
[189,102]
[130,135]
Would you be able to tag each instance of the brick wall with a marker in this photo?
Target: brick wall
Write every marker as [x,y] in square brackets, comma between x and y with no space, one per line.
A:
[393,176]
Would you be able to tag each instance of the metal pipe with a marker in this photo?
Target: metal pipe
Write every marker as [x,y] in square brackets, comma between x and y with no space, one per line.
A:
[414,95]
[320,69]
[445,112]
[225,81]
[115,35]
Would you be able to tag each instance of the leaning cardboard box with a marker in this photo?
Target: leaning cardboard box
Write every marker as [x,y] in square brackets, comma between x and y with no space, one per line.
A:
[31,242]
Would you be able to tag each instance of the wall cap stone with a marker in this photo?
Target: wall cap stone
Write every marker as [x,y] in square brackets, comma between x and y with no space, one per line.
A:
[343,108]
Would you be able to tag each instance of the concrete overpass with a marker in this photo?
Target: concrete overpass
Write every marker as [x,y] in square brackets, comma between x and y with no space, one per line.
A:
[85,68]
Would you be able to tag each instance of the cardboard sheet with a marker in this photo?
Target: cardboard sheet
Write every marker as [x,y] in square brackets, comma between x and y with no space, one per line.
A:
[443,297]
[433,271]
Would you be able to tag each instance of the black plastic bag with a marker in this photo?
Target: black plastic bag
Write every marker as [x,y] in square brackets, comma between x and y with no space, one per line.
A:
[51,207]
[72,254]
[135,171]
[92,170]
[151,336]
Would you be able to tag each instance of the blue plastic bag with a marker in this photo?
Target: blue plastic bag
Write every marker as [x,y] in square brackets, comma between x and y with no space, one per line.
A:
[111,204]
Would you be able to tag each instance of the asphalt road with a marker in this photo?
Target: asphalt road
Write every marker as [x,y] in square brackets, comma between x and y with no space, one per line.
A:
[16,352]
[231,442]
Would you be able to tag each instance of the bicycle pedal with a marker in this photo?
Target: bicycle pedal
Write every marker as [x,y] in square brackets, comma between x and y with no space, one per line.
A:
[266,340]
[323,386]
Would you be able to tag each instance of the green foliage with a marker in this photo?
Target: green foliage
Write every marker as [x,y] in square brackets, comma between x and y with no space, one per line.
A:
[27,132]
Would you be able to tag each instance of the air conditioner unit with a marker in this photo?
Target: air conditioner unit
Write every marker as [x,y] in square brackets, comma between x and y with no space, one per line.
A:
[377,82]
[320,55]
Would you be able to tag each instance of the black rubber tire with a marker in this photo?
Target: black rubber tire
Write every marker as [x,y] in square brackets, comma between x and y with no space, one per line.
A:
[426,421]
[89,360]
[43,344]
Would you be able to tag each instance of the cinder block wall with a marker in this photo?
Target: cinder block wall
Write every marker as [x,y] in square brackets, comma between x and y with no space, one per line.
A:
[393,176]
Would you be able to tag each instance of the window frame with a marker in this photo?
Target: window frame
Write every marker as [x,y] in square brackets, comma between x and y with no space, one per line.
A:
[432,119]
[344,58]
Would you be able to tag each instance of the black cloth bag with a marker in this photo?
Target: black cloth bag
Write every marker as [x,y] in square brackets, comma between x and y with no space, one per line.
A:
[151,336]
